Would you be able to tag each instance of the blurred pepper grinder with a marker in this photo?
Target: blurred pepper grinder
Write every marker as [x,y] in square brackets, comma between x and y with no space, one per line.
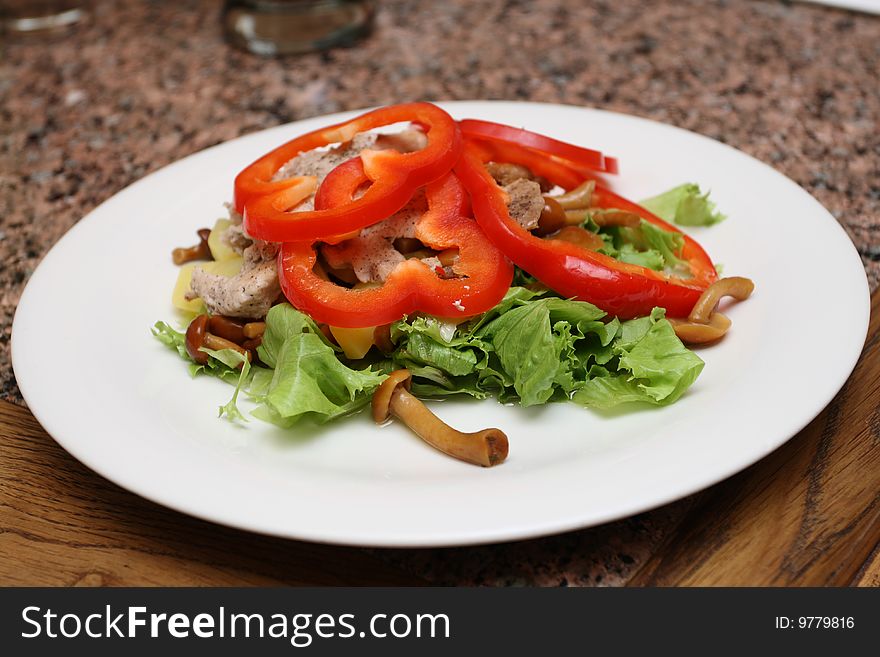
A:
[282,27]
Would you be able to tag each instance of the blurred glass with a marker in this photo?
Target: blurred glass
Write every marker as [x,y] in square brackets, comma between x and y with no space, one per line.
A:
[281,27]
[39,15]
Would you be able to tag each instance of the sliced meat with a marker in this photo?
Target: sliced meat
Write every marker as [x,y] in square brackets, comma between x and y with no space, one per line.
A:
[234,237]
[250,293]
[506,173]
[320,162]
[259,252]
[405,141]
[371,254]
[524,202]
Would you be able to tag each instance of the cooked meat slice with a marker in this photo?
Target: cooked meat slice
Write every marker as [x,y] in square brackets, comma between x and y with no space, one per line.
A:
[434,264]
[405,141]
[234,236]
[236,239]
[240,241]
[505,173]
[259,252]
[371,254]
[320,162]
[250,293]
[524,202]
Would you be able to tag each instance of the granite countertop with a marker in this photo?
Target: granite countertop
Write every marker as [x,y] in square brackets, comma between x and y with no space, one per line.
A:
[140,85]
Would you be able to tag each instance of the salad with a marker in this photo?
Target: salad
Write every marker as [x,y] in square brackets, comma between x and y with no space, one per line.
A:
[369,264]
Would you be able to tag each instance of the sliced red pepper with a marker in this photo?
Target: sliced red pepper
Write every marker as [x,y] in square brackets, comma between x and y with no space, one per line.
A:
[618,288]
[265,203]
[576,157]
[482,273]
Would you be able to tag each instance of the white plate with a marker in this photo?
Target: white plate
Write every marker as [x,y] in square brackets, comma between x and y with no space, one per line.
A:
[123,404]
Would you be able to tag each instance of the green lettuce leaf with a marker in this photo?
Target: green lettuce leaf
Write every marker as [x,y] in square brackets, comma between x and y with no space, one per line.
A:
[528,350]
[311,382]
[305,378]
[309,379]
[282,322]
[646,245]
[170,338]
[665,242]
[232,359]
[223,364]
[685,205]
[532,348]
[652,365]
[651,259]
[535,348]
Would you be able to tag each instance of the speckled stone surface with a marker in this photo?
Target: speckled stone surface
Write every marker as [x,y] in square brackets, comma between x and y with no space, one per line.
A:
[140,85]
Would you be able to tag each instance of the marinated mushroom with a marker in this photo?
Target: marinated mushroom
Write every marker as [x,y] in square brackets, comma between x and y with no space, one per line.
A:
[704,324]
[251,347]
[230,328]
[579,198]
[197,336]
[612,217]
[552,218]
[195,339]
[734,286]
[253,330]
[200,251]
[382,338]
[487,447]
[696,333]
[581,237]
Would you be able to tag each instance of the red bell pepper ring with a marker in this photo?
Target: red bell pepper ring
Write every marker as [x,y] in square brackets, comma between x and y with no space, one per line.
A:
[266,204]
[618,288]
[482,273]
[576,157]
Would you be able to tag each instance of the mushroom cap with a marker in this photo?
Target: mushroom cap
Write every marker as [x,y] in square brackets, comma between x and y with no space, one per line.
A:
[697,333]
[195,338]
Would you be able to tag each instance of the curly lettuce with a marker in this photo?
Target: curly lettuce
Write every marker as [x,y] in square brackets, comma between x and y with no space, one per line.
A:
[684,205]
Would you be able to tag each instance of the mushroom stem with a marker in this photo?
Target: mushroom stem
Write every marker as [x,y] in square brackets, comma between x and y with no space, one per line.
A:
[216,343]
[612,217]
[578,198]
[487,447]
[200,251]
[253,330]
[734,286]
